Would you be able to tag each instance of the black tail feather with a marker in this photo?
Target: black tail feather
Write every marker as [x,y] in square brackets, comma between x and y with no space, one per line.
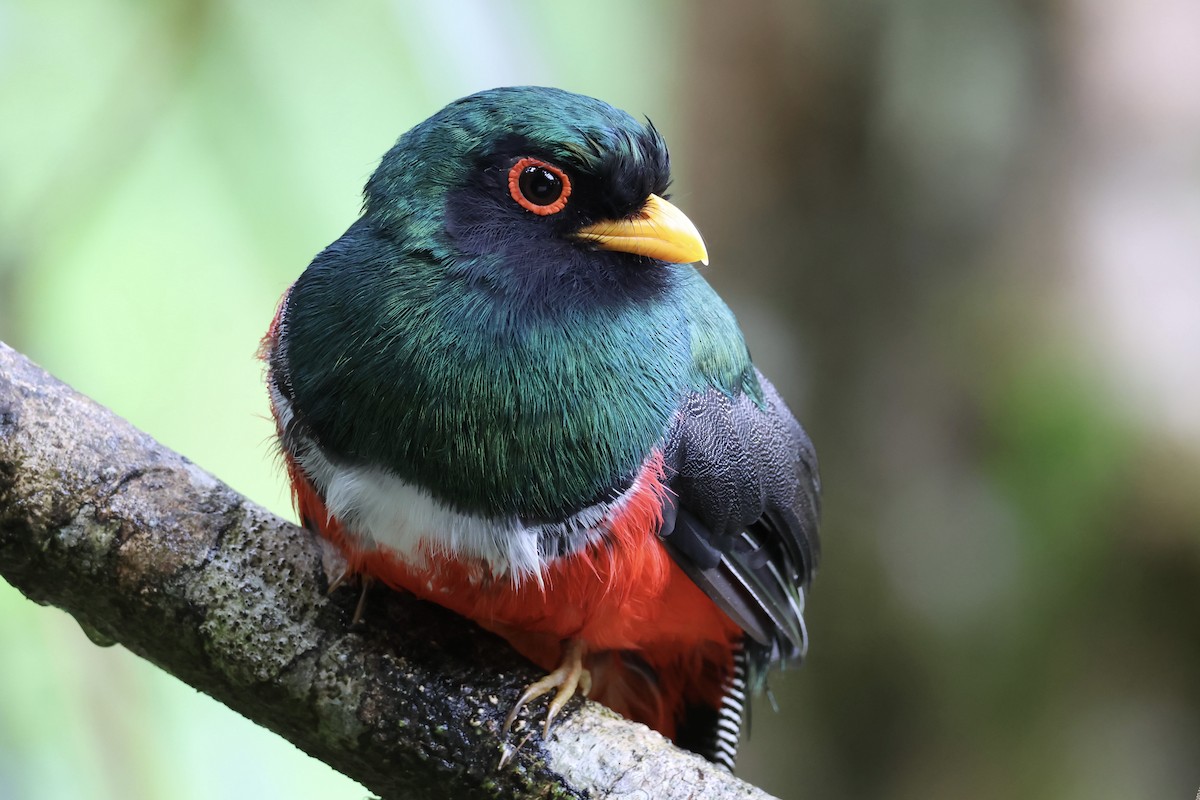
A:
[714,732]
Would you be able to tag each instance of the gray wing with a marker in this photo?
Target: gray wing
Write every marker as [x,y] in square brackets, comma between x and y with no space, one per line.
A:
[744,521]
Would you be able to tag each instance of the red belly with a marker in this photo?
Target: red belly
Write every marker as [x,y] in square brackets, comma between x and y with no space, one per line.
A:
[623,594]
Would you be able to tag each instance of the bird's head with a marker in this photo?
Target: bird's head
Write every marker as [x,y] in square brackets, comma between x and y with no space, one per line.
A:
[536,193]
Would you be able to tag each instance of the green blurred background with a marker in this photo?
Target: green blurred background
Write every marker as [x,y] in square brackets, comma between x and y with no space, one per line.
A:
[962,237]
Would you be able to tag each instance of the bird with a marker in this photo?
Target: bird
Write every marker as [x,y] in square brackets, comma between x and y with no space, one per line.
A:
[507,389]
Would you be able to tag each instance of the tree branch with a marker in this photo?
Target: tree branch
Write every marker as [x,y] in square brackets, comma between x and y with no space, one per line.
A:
[144,548]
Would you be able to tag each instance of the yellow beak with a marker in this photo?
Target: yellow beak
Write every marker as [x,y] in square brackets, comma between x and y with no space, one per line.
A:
[659,230]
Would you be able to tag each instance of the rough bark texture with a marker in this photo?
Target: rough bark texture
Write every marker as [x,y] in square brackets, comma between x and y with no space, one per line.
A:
[146,549]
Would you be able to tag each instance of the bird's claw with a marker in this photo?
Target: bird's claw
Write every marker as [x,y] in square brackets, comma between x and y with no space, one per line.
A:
[335,582]
[346,576]
[361,607]
[567,678]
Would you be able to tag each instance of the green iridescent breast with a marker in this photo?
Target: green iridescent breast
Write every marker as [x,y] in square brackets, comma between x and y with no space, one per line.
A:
[497,412]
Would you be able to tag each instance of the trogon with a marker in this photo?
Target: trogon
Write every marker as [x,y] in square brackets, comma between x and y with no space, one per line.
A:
[505,389]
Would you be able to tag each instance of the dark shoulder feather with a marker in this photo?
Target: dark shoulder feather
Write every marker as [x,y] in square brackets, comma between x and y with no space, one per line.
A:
[744,526]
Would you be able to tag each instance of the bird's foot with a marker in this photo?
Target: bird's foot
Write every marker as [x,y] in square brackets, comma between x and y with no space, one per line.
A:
[333,562]
[344,577]
[334,582]
[361,607]
[569,677]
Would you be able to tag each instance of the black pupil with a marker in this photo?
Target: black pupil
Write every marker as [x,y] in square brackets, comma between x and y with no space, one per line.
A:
[540,186]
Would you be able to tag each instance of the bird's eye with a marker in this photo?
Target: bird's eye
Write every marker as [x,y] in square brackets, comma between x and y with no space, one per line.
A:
[539,187]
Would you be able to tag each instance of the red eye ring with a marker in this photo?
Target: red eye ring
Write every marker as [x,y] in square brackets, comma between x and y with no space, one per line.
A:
[521,183]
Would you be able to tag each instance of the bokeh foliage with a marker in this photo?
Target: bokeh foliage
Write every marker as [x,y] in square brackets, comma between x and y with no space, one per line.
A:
[899,203]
